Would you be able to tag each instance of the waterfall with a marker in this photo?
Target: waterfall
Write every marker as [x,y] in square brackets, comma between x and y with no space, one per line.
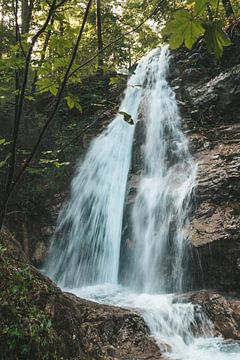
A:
[85,251]
[86,245]
[168,177]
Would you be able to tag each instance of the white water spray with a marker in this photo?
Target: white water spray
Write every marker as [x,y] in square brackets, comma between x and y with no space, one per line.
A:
[86,247]
[162,202]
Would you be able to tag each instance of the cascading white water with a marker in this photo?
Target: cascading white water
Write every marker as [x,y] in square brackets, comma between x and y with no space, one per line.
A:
[162,202]
[86,247]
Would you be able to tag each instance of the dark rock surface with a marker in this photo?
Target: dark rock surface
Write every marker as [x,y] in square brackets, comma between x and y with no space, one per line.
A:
[82,329]
[222,311]
[211,115]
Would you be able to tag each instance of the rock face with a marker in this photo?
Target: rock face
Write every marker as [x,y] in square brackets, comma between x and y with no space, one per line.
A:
[208,93]
[223,312]
[211,115]
[82,329]
[133,182]
[91,331]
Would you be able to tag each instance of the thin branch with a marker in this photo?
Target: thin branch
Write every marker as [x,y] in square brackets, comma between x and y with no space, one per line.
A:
[58,99]
[43,53]
[18,34]
[153,13]
[12,161]
[19,109]
[68,74]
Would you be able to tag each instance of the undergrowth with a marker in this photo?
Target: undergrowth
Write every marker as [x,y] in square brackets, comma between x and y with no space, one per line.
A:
[25,330]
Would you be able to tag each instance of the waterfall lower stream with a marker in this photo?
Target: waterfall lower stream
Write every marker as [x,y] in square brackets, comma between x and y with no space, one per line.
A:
[85,252]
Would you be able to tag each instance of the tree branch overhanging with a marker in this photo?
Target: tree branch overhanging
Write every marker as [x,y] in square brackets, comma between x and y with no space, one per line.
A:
[19,106]
[67,75]
[58,99]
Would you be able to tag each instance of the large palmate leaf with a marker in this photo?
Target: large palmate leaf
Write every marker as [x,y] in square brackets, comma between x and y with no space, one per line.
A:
[184,28]
[216,38]
[200,6]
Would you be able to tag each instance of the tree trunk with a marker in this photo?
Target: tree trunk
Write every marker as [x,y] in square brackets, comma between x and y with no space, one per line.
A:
[26,15]
[99,36]
[43,53]
[25,239]
[228,8]
[9,193]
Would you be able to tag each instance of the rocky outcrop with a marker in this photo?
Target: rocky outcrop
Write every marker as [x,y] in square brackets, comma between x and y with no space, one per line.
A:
[211,115]
[81,329]
[88,330]
[126,255]
[222,311]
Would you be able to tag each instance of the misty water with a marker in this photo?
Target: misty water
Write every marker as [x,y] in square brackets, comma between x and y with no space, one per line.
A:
[85,251]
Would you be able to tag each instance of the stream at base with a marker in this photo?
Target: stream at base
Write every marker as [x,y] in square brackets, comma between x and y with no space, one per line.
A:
[171,323]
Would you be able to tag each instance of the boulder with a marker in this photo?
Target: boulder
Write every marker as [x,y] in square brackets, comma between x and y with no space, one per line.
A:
[81,329]
[223,312]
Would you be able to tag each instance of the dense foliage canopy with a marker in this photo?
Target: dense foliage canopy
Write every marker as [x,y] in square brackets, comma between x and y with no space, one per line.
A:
[49,46]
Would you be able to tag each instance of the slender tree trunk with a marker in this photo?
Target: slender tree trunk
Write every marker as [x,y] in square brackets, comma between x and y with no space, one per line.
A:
[228,8]
[99,37]
[43,53]
[61,28]
[2,27]
[26,15]
[19,102]
[12,160]
[55,108]
[210,14]
[25,238]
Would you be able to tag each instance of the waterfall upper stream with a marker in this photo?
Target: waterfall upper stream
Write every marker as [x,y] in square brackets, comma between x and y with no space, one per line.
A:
[85,252]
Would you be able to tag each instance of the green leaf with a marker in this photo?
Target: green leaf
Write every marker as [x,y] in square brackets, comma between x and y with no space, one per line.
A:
[70,102]
[30,98]
[2,141]
[213,3]
[184,28]
[193,32]
[48,161]
[216,38]
[127,117]
[176,40]
[200,6]
[53,90]
[58,164]
[78,107]
[114,80]
[73,101]
[4,162]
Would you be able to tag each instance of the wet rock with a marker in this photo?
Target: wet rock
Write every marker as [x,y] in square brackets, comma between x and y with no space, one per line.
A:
[192,74]
[93,331]
[83,329]
[223,312]
[211,115]
[39,254]
[217,101]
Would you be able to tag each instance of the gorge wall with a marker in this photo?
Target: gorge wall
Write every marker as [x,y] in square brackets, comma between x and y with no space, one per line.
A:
[211,115]
[208,94]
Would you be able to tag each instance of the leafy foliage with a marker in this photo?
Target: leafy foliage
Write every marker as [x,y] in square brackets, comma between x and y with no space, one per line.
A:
[184,28]
[199,18]
[25,330]
[216,38]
